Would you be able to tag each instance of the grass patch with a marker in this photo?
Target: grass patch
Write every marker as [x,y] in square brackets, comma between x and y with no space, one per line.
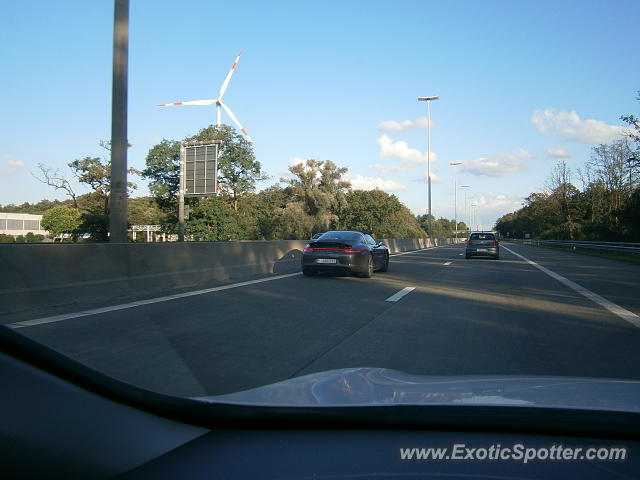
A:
[620,256]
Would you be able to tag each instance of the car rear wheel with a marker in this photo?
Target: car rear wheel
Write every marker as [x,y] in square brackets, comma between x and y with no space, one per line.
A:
[369,271]
[385,264]
[467,256]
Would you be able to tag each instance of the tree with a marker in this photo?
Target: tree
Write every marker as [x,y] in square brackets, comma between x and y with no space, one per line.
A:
[440,228]
[319,192]
[144,211]
[55,179]
[379,213]
[163,173]
[210,220]
[32,238]
[563,198]
[267,212]
[96,173]
[634,124]
[34,208]
[63,219]
[238,169]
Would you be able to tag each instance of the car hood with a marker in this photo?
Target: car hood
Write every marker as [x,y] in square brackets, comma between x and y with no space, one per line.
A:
[379,386]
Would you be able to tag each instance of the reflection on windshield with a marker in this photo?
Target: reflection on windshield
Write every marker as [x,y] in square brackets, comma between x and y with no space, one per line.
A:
[385,124]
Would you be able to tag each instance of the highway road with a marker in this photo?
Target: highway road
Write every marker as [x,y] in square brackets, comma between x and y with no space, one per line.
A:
[456,317]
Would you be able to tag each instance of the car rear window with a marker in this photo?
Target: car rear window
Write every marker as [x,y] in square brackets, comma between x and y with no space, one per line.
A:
[350,236]
[483,236]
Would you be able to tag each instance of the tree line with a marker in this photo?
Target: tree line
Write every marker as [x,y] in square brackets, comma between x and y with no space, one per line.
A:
[313,197]
[606,207]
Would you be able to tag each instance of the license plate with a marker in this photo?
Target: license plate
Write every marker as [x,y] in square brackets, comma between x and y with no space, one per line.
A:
[482,250]
[326,260]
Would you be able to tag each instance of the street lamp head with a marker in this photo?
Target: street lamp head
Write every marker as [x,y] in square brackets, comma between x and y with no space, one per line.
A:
[426,99]
[464,186]
[455,163]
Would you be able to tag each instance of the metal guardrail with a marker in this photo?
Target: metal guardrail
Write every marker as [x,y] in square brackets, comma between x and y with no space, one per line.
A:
[624,247]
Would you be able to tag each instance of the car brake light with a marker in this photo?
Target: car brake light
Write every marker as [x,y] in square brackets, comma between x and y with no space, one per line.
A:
[469,242]
[345,250]
[495,243]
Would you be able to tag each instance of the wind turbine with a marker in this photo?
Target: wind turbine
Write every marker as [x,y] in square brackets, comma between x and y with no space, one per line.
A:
[218,101]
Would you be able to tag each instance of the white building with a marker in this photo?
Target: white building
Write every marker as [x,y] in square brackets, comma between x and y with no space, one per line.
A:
[20,224]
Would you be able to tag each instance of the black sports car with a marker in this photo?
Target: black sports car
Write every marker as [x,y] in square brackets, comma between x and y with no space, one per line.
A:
[345,251]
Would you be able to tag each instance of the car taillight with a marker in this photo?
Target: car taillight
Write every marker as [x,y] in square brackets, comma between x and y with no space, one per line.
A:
[350,250]
[308,250]
[495,243]
[469,242]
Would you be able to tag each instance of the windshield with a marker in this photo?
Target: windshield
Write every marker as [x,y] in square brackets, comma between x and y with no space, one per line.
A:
[158,196]
[482,236]
[346,236]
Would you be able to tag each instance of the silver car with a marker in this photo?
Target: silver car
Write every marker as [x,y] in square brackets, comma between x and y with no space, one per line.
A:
[483,244]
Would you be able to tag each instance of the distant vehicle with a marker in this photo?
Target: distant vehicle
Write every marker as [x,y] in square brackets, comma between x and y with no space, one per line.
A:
[345,251]
[315,236]
[483,244]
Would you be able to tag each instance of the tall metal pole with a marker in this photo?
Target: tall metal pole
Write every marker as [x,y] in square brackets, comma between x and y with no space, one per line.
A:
[428,100]
[464,215]
[181,195]
[429,162]
[118,202]
[455,194]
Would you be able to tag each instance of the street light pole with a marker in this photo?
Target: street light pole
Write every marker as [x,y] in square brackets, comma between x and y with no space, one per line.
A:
[118,201]
[455,195]
[465,201]
[474,215]
[428,100]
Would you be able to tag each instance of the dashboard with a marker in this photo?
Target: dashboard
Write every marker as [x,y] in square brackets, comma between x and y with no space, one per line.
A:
[61,419]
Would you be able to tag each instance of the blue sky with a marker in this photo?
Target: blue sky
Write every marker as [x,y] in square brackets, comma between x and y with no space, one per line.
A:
[522,84]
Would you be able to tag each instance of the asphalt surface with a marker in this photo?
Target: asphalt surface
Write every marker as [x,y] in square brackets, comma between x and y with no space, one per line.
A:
[476,316]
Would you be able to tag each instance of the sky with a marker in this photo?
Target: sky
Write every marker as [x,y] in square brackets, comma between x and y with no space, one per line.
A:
[522,85]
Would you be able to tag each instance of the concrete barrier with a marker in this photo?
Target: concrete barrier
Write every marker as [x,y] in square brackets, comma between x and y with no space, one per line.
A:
[47,275]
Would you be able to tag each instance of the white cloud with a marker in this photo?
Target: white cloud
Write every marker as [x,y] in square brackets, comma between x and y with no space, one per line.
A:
[498,165]
[383,170]
[570,125]
[435,178]
[499,201]
[558,153]
[401,150]
[403,126]
[359,182]
[11,166]
[292,161]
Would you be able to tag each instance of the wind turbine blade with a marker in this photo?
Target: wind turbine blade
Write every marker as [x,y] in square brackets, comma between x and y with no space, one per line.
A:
[191,102]
[233,117]
[225,84]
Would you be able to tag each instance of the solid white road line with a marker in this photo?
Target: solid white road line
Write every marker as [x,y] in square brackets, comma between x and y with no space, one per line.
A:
[124,306]
[623,313]
[397,296]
